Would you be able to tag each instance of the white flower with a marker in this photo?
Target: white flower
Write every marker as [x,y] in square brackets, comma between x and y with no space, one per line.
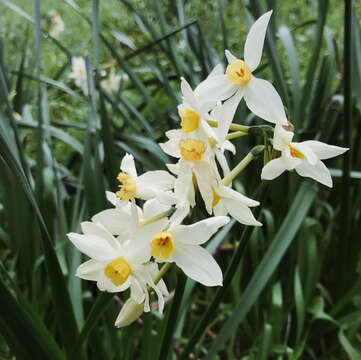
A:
[111,83]
[79,74]
[305,157]
[129,312]
[181,244]
[260,95]
[146,186]
[228,201]
[118,263]
[57,24]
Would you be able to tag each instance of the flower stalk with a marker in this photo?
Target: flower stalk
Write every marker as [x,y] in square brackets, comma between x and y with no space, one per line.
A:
[242,164]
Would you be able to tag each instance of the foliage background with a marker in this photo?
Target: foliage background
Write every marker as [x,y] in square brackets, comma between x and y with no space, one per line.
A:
[59,151]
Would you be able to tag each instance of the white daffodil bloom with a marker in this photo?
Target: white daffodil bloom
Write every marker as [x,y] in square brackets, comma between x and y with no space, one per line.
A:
[305,157]
[118,263]
[228,201]
[78,74]
[111,83]
[146,186]
[129,313]
[260,95]
[181,244]
[57,24]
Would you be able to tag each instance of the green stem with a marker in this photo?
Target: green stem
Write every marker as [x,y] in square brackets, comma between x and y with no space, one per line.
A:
[155,218]
[236,127]
[162,272]
[235,135]
[242,164]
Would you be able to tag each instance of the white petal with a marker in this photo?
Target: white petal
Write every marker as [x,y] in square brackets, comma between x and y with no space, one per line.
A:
[230,57]
[324,151]
[289,161]
[152,181]
[228,110]
[179,215]
[199,232]
[171,147]
[188,95]
[183,187]
[128,166]
[219,209]
[90,270]
[129,313]
[222,162]
[263,100]
[198,264]
[226,192]
[306,151]
[153,208]
[254,43]
[204,181]
[281,137]
[91,228]
[318,172]
[116,221]
[173,168]
[105,284]
[112,198]
[241,212]
[273,169]
[93,246]
[217,70]
[216,88]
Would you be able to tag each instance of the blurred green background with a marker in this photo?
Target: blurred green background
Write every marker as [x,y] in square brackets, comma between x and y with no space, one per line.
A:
[60,150]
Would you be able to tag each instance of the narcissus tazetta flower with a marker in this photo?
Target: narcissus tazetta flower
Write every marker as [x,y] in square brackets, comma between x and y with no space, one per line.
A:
[118,263]
[146,186]
[181,244]
[260,95]
[79,74]
[305,157]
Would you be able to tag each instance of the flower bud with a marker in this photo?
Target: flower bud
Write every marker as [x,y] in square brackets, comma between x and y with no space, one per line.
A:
[130,312]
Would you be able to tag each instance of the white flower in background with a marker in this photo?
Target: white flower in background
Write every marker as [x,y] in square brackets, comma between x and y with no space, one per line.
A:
[260,95]
[118,263]
[111,83]
[228,201]
[181,244]
[146,186]
[305,157]
[78,74]
[56,23]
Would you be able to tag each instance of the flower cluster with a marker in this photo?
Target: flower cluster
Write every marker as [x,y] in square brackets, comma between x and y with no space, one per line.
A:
[126,243]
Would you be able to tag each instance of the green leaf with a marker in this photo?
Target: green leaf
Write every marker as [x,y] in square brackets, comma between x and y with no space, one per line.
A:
[24,331]
[265,269]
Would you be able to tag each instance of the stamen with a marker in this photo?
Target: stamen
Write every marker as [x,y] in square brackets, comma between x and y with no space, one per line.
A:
[162,245]
[295,153]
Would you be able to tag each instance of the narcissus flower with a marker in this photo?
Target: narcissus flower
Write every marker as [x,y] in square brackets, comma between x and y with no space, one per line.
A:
[228,201]
[111,83]
[118,263]
[146,186]
[79,74]
[260,95]
[181,244]
[305,157]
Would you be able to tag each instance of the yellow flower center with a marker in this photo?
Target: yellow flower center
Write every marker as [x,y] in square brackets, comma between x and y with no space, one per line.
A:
[238,72]
[117,271]
[189,121]
[192,150]
[295,153]
[128,187]
[216,198]
[162,245]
